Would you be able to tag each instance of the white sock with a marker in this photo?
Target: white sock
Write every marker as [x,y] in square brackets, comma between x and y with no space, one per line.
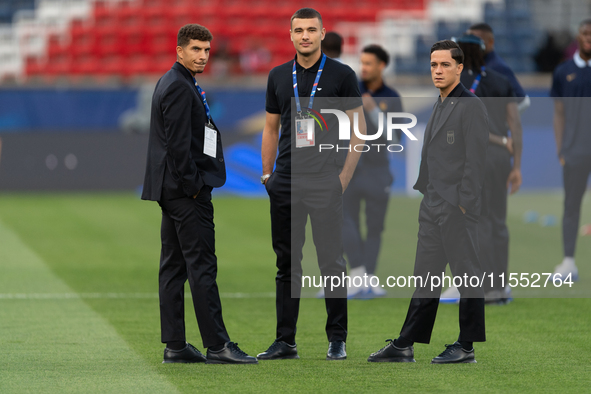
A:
[569,262]
[357,272]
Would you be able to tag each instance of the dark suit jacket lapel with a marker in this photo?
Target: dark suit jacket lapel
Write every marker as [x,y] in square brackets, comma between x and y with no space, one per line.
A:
[428,132]
[444,115]
[181,69]
[187,75]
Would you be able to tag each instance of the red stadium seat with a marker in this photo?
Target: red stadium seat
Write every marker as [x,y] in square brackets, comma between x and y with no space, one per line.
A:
[55,47]
[282,48]
[88,66]
[162,40]
[137,65]
[59,66]
[102,12]
[80,30]
[156,15]
[158,65]
[365,14]
[108,43]
[133,42]
[237,10]
[34,67]
[142,33]
[83,43]
[128,14]
[112,65]
[181,15]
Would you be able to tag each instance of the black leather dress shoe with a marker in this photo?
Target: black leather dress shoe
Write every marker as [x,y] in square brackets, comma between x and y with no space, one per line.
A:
[279,350]
[187,355]
[454,354]
[336,351]
[230,354]
[393,354]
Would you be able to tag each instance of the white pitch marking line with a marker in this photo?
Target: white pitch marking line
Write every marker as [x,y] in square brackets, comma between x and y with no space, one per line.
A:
[67,296]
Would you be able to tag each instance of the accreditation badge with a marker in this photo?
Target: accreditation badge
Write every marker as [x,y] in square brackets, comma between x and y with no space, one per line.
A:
[210,141]
[304,132]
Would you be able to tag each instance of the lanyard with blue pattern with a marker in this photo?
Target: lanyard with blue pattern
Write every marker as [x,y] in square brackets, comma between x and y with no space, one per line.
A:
[202,95]
[477,80]
[295,85]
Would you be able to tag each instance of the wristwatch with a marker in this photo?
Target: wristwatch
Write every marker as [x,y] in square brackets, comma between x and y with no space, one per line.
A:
[504,141]
[264,178]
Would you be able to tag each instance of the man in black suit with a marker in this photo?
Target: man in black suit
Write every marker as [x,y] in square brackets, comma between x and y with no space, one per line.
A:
[185,161]
[451,177]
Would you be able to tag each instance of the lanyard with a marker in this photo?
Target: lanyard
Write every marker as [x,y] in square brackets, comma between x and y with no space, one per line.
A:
[477,80]
[295,85]
[202,94]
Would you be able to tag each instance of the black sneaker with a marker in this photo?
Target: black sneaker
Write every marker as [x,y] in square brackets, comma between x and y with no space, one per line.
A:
[336,351]
[454,354]
[279,350]
[187,355]
[393,354]
[230,354]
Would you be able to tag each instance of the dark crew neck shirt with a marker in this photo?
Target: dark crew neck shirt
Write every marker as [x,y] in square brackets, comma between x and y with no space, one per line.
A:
[496,92]
[572,85]
[337,89]
[387,100]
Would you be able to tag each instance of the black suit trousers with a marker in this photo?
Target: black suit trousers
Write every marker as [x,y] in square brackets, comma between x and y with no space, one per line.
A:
[293,199]
[188,252]
[446,235]
[371,185]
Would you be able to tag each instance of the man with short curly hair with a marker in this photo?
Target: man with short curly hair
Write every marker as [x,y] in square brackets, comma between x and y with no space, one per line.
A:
[193,32]
[185,162]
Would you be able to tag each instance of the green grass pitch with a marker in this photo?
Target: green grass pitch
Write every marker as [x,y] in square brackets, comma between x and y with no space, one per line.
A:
[79,307]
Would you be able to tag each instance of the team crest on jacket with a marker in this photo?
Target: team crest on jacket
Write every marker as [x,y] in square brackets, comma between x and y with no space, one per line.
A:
[450,137]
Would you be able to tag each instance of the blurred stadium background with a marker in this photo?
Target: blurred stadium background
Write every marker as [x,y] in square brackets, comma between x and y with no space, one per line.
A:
[76,76]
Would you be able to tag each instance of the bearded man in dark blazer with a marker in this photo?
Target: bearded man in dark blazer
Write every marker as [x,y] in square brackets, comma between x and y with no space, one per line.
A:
[185,161]
[451,178]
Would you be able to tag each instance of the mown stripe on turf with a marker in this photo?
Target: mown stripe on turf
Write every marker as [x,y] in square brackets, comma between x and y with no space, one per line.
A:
[60,345]
[68,296]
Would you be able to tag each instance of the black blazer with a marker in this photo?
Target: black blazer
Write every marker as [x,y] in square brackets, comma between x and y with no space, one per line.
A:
[176,161]
[454,151]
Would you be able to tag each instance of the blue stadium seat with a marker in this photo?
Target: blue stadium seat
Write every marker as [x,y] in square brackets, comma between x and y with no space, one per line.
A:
[492,11]
[420,65]
[5,12]
[449,30]
[423,47]
[515,39]
[9,7]
[405,66]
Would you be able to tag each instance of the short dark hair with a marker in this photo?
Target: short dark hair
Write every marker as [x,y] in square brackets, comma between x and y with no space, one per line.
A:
[449,45]
[378,51]
[192,31]
[473,56]
[306,13]
[584,23]
[473,49]
[332,44]
[482,27]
